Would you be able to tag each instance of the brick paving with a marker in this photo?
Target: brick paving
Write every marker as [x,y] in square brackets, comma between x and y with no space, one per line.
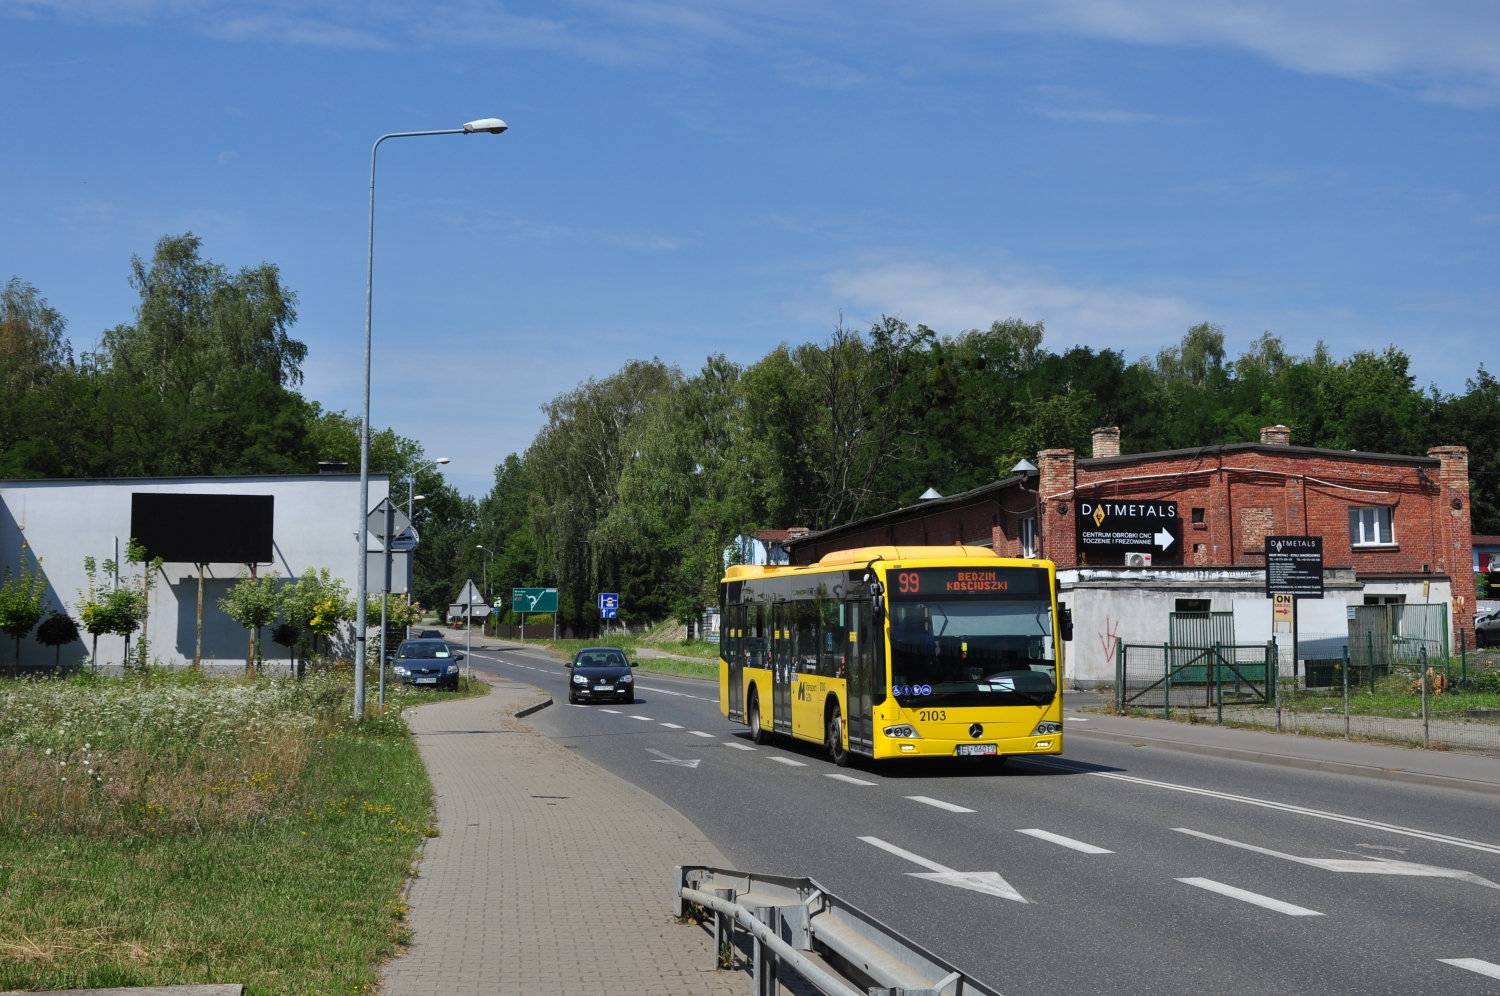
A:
[551,875]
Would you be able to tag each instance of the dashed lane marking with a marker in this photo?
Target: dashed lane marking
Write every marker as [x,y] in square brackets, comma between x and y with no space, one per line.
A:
[1058,838]
[1362,865]
[645,719]
[940,804]
[849,779]
[1474,845]
[788,761]
[612,712]
[1488,969]
[700,733]
[668,691]
[737,746]
[1249,897]
[671,726]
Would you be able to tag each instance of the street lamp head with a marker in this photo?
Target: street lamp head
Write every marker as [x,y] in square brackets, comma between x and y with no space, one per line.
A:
[1024,467]
[492,125]
[418,497]
[442,460]
[478,546]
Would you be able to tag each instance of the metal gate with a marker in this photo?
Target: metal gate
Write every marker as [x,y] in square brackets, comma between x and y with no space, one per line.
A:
[1161,676]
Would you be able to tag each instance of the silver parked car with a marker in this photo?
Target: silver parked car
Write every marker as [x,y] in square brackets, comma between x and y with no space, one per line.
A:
[1487,629]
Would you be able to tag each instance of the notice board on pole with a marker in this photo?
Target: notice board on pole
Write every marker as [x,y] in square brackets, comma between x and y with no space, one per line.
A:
[1294,566]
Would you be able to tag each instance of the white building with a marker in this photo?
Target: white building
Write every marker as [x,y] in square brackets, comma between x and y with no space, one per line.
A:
[63,521]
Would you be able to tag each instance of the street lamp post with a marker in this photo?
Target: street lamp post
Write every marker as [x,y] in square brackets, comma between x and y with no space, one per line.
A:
[411,483]
[493,126]
[489,592]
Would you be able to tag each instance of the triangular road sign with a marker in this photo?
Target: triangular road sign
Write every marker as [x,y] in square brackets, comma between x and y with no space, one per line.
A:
[469,593]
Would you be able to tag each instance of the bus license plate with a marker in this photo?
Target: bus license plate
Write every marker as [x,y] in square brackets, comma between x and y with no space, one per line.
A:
[972,749]
[427,681]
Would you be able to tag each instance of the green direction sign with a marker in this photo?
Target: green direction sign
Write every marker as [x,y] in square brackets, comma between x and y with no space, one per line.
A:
[533,600]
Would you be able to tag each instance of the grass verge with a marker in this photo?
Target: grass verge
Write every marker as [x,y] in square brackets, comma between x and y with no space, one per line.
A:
[299,893]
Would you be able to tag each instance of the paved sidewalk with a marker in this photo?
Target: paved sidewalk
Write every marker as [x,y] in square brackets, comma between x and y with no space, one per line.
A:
[551,875]
[1449,769]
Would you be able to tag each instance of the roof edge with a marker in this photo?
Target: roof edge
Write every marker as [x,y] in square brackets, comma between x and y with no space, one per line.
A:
[1264,448]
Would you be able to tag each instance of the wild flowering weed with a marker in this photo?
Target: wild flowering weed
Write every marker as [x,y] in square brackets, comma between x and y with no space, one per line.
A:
[147,754]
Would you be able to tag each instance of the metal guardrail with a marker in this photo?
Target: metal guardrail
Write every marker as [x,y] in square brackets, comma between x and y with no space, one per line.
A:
[834,946]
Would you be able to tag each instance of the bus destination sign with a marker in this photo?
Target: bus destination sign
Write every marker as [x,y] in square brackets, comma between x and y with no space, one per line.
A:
[985,582]
[1121,524]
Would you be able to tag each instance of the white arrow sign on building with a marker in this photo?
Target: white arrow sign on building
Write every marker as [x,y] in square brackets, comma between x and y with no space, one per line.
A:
[1164,539]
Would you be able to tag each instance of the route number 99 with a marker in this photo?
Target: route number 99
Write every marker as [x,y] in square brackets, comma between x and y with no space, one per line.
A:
[908,582]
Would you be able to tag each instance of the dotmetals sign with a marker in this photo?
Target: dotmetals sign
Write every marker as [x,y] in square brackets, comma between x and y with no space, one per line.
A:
[1294,566]
[1118,524]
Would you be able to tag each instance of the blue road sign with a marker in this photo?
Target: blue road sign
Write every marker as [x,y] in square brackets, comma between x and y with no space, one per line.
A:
[609,604]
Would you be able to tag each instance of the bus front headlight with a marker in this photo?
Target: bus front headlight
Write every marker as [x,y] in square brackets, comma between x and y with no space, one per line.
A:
[904,731]
[1046,729]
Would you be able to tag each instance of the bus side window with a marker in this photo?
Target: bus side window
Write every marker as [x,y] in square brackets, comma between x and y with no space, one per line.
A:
[755,635]
[805,625]
[835,647]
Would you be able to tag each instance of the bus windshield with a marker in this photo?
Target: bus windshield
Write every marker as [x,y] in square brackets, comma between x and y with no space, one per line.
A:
[972,651]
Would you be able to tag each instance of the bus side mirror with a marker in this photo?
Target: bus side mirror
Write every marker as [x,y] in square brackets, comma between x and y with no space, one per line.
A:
[877,597]
[1066,622]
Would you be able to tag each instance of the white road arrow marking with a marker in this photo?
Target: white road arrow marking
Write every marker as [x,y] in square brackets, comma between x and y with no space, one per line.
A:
[1356,866]
[989,883]
[1164,539]
[669,759]
[1486,968]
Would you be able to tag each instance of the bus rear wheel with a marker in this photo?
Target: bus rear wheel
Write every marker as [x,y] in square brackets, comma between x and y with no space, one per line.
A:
[836,748]
[758,733]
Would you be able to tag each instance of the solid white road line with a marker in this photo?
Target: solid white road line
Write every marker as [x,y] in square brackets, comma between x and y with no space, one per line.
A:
[668,691]
[612,712]
[644,719]
[1076,845]
[788,761]
[989,883]
[671,726]
[940,804]
[847,778]
[1249,897]
[700,733]
[737,746]
[1486,968]
[1282,806]
[1358,866]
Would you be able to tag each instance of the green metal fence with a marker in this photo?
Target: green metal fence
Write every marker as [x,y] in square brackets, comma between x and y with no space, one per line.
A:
[1166,676]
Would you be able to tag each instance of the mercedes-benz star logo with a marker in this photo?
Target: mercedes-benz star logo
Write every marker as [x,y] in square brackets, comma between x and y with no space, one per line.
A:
[976,731]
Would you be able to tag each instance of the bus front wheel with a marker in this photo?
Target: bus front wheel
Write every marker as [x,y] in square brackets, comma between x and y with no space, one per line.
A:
[836,748]
[758,733]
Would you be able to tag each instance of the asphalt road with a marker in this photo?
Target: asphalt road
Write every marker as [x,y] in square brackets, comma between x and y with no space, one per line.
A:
[1115,869]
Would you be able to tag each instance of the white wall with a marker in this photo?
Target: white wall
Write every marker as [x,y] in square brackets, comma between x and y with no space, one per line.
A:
[64,521]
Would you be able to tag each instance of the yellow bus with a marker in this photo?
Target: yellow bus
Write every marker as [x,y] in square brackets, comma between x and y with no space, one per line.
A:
[891,652]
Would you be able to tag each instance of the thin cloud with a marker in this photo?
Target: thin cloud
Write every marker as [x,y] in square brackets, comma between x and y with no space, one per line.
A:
[967,296]
[1447,50]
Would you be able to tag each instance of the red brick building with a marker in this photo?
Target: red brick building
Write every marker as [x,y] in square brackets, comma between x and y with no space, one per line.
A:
[1394,528]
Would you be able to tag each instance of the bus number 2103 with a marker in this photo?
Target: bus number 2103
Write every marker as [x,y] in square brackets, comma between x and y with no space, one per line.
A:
[931,715]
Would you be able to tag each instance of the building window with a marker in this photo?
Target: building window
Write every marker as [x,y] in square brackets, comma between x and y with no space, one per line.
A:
[1198,516]
[1028,537]
[1194,604]
[1371,526]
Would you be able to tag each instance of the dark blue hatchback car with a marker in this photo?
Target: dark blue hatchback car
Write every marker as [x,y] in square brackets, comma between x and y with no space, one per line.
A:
[427,662]
[599,674]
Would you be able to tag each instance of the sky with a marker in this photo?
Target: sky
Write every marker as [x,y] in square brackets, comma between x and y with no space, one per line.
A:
[681,179]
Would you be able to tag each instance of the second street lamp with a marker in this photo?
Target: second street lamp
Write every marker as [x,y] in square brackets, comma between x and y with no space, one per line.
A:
[492,126]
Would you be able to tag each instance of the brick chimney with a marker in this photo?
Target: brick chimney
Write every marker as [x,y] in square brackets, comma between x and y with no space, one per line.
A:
[1456,554]
[1058,478]
[1276,435]
[1107,441]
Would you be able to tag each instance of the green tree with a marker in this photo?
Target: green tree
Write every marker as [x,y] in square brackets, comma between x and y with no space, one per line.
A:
[57,631]
[23,600]
[318,603]
[254,603]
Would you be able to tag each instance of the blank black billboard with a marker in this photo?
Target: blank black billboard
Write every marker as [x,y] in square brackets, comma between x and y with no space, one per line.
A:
[204,529]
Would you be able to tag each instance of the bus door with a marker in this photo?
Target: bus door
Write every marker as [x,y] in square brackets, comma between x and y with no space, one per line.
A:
[861,676]
[781,667]
[733,623]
